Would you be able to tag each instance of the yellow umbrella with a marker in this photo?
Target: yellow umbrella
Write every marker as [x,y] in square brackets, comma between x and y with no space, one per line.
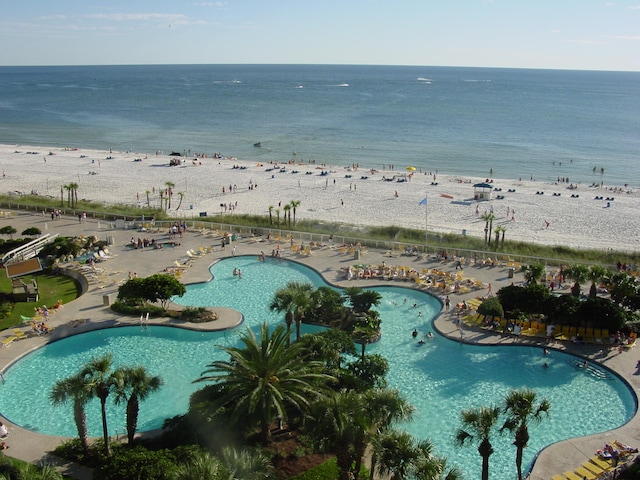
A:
[411,169]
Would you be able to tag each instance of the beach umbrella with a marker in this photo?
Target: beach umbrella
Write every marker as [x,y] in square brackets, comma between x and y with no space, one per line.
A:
[411,169]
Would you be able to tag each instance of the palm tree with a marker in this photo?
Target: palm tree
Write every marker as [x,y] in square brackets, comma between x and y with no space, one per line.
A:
[521,409]
[533,272]
[68,189]
[246,464]
[362,300]
[481,422]
[170,186]
[287,213]
[504,229]
[73,188]
[402,457]
[266,379]
[488,222]
[134,385]
[199,466]
[497,231]
[271,207]
[74,389]
[579,274]
[148,192]
[596,274]
[294,205]
[97,374]
[278,216]
[293,299]
[62,195]
[181,195]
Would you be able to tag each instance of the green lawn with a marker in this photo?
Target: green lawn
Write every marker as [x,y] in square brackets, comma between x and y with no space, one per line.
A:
[51,289]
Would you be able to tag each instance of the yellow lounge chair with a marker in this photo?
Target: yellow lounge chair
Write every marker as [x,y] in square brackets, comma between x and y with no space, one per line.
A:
[603,464]
[19,333]
[572,476]
[557,476]
[584,473]
[593,468]
[5,342]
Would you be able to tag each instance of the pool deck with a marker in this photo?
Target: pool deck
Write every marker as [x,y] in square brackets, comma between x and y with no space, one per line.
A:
[90,312]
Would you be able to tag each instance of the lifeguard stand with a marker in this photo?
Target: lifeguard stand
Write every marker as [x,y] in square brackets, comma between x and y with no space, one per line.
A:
[482,191]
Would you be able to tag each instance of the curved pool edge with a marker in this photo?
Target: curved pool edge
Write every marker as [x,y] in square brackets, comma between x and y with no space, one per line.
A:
[560,456]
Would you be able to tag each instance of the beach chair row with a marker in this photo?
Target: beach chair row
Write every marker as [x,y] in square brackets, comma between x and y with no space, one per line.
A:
[587,334]
[592,469]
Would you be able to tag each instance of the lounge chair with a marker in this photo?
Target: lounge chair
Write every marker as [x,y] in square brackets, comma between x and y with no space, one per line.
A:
[572,476]
[5,342]
[19,334]
[584,473]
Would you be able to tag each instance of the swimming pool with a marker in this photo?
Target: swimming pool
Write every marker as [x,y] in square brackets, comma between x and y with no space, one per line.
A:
[441,378]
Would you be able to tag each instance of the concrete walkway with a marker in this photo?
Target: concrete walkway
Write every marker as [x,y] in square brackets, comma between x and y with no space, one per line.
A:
[90,312]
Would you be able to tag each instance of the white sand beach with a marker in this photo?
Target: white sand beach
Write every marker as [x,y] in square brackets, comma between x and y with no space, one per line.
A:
[561,215]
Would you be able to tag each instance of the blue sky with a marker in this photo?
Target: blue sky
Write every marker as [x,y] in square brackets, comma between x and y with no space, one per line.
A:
[557,34]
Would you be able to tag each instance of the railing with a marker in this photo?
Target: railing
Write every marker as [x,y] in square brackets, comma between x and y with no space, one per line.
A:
[129,222]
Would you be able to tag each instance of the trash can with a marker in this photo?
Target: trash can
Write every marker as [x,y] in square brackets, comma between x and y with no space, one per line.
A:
[464,232]
[227,239]
[511,272]
[356,254]
[106,300]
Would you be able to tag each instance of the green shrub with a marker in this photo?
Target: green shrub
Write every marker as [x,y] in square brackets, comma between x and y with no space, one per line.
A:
[136,463]
[325,471]
[192,314]
[136,310]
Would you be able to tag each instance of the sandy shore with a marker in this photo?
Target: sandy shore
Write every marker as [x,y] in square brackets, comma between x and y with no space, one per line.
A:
[361,197]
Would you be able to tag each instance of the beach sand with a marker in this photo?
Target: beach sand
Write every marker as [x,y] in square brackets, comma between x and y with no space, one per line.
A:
[354,196]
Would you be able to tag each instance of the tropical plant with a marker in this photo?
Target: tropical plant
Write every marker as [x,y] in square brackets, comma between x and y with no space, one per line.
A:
[533,272]
[181,195]
[133,385]
[488,222]
[28,471]
[294,205]
[148,192]
[579,274]
[478,424]
[521,410]
[595,275]
[8,230]
[97,375]
[271,207]
[169,193]
[294,299]
[73,189]
[245,464]
[200,466]
[362,300]
[159,287]
[328,346]
[346,422]
[32,232]
[74,389]
[278,216]
[287,213]
[266,379]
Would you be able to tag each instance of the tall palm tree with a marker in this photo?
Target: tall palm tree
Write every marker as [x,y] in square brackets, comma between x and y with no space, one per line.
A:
[97,374]
[133,385]
[362,300]
[480,423]
[181,195]
[266,379]
[67,187]
[170,186]
[521,409]
[246,464]
[271,207]
[293,299]
[74,389]
[294,205]
[504,229]
[148,192]
[74,194]
[199,466]
[488,222]
[287,213]
[278,216]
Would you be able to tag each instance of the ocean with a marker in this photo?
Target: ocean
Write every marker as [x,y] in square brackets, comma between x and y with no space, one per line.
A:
[482,122]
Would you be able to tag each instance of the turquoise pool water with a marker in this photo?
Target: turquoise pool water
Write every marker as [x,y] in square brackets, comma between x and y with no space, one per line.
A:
[440,378]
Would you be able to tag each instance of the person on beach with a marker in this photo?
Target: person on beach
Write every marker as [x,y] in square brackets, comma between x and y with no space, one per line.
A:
[546,223]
